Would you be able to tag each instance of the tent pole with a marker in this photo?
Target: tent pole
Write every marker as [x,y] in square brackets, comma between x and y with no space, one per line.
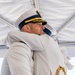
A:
[65,25]
[6,22]
[36,4]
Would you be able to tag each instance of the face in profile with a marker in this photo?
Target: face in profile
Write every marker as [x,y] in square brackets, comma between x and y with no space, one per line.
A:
[37,28]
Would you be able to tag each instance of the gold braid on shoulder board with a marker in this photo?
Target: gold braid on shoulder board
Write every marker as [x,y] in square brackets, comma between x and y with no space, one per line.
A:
[60,68]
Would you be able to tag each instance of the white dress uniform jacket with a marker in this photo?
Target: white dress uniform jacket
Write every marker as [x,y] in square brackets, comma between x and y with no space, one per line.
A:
[48,59]
[17,60]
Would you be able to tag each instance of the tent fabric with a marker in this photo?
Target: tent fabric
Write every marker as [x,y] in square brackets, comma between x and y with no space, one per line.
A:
[56,12]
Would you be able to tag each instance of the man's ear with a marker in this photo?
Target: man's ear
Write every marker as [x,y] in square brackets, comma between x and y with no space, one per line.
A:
[26,28]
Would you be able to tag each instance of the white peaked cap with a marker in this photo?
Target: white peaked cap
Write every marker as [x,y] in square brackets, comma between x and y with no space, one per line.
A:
[31,15]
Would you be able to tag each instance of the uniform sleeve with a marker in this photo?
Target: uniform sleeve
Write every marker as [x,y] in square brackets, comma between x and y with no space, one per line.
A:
[66,57]
[32,40]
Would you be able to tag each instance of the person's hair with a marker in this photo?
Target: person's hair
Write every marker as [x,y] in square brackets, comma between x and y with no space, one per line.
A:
[29,24]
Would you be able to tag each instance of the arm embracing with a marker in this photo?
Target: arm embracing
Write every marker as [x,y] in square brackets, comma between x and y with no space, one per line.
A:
[32,40]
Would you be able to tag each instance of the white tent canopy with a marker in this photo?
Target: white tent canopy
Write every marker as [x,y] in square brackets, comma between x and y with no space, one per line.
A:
[60,14]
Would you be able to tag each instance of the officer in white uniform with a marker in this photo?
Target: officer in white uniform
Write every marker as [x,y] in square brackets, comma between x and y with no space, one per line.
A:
[48,59]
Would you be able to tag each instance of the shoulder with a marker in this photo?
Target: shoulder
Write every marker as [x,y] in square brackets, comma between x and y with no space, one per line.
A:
[16,32]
